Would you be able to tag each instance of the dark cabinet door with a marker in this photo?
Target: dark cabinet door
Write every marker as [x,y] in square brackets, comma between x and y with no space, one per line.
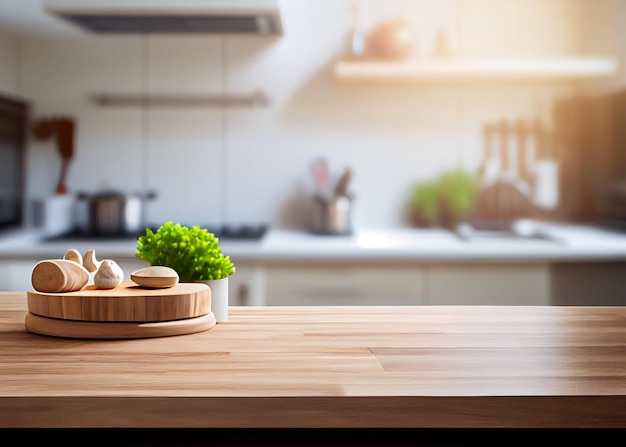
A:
[13,128]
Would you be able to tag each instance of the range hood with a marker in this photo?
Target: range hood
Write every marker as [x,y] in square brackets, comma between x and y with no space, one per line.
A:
[170,16]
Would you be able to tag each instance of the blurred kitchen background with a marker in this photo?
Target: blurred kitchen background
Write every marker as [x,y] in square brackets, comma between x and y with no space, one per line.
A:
[251,164]
[518,101]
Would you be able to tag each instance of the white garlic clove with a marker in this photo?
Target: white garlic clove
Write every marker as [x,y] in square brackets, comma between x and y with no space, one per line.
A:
[73,255]
[108,276]
[90,262]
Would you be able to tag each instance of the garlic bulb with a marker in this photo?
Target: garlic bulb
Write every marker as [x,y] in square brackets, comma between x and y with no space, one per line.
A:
[90,262]
[109,275]
[73,255]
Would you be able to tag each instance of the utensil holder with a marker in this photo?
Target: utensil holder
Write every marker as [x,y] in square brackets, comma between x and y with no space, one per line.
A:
[331,215]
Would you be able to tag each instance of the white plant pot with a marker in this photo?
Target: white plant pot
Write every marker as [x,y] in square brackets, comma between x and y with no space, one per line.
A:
[219,298]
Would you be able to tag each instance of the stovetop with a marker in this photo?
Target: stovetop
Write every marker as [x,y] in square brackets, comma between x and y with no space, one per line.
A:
[223,233]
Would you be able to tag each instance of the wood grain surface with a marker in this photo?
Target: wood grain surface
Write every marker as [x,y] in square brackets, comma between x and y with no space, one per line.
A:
[325,367]
[86,330]
[127,302]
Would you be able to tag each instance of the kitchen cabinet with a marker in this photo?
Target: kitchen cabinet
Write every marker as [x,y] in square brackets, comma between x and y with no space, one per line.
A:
[588,284]
[246,287]
[488,284]
[571,68]
[262,283]
[406,284]
[343,284]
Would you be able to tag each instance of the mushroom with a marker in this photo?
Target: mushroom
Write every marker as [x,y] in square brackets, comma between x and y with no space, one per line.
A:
[90,262]
[108,276]
[73,255]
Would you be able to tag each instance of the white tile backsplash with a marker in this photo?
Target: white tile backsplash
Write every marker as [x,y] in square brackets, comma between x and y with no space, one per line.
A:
[212,165]
[184,166]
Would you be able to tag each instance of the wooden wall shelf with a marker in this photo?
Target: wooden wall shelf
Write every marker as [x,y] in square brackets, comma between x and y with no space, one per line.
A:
[446,70]
[255,99]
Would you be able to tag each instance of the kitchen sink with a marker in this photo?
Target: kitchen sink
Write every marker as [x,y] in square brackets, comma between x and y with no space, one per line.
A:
[517,230]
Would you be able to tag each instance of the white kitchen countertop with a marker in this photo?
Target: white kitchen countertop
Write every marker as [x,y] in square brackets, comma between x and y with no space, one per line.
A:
[560,243]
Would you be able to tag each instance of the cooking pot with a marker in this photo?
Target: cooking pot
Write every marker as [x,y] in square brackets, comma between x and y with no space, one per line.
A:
[110,213]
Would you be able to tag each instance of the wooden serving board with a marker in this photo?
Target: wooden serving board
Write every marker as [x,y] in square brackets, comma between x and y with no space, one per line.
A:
[110,330]
[128,302]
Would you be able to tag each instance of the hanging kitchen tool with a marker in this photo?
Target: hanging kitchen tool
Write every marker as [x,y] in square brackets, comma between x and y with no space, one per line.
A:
[516,201]
[65,146]
[525,177]
[485,208]
[502,185]
[546,189]
[501,200]
[508,152]
[488,171]
[63,131]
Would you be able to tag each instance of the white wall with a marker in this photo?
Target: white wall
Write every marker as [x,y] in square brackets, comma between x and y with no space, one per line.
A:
[604,32]
[210,165]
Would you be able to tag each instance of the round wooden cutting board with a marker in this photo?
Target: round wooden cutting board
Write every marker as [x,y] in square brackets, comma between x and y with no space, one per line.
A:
[127,311]
[128,302]
[109,330]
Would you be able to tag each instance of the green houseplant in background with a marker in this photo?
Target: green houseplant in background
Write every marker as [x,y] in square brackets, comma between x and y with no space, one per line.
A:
[445,200]
[195,254]
[424,204]
[457,195]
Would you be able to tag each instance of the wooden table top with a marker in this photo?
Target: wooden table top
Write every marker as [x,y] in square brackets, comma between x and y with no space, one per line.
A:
[306,367]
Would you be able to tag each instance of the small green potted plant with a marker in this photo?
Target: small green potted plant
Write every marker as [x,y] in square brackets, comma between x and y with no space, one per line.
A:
[443,201]
[195,254]
[424,204]
[457,196]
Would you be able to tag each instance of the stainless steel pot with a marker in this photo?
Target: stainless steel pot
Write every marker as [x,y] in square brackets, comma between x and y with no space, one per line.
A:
[110,213]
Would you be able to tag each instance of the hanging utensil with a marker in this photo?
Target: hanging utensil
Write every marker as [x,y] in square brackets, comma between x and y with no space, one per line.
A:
[63,131]
[65,146]
[546,189]
[487,206]
[522,174]
[505,178]
[488,171]
[506,167]
[503,196]
[513,199]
